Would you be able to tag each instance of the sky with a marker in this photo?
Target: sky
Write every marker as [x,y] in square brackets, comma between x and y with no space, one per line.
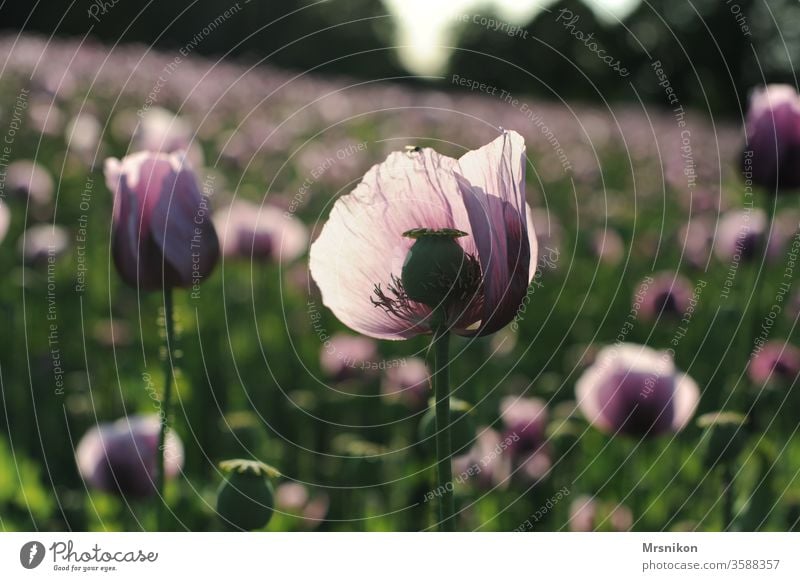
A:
[427,29]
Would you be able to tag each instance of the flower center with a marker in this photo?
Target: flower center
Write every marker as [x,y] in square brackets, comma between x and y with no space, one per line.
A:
[436,273]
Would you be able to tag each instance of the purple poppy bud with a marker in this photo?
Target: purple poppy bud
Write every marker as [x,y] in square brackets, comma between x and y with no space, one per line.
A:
[775,362]
[120,457]
[635,390]
[163,236]
[772,152]
[525,420]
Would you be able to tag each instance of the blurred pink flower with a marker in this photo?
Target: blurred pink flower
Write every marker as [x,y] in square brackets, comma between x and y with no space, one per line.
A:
[635,390]
[28,179]
[772,151]
[344,357]
[525,421]
[666,295]
[294,498]
[120,457]
[83,133]
[741,235]
[775,362]
[43,242]
[607,246]
[250,231]
[162,234]
[5,220]
[161,130]
[359,255]
[582,514]
[485,465]
[409,383]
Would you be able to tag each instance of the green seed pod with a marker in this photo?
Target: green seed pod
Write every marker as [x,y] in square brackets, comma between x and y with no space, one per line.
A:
[436,270]
[245,498]
[462,427]
[727,436]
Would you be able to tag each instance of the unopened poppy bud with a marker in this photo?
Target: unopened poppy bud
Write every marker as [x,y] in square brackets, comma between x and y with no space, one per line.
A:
[245,499]
[462,426]
[436,270]
[726,436]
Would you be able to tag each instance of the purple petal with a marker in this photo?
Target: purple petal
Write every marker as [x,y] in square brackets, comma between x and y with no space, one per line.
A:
[492,181]
[362,243]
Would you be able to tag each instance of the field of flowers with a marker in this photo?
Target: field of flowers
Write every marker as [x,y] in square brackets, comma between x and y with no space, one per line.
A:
[645,380]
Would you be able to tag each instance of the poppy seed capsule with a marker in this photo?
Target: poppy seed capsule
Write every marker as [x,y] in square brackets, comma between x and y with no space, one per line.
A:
[245,499]
[436,270]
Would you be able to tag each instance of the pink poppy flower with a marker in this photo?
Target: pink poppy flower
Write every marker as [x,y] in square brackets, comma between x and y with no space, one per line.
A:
[776,362]
[162,233]
[525,421]
[250,231]
[345,357]
[120,457]
[772,152]
[409,383]
[636,390]
[666,295]
[477,200]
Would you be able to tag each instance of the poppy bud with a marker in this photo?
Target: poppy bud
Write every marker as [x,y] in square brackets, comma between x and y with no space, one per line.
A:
[245,498]
[436,270]
[462,426]
[163,236]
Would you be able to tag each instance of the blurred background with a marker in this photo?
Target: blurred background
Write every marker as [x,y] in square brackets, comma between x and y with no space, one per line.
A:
[704,43]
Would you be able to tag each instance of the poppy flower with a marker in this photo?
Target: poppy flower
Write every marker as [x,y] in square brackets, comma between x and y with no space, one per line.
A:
[775,361]
[42,243]
[120,457]
[635,390]
[345,357]
[427,240]
[666,294]
[741,235]
[249,231]
[409,383]
[162,236]
[525,422]
[772,152]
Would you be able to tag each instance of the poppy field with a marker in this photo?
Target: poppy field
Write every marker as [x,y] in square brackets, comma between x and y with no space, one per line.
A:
[239,297]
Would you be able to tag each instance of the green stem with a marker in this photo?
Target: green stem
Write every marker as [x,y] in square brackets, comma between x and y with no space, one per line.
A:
[444,469]
[169,335]
[728,496]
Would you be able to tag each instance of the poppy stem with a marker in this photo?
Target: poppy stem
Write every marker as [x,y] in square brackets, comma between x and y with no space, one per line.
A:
[169,335]
[727,496]
[441,387]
